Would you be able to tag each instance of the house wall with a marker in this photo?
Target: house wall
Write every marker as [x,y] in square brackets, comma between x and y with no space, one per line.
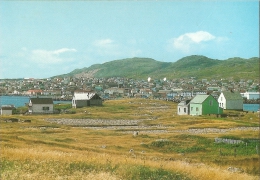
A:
[234,104]
[38,108]
[96,102]
[85,103]
[81,103]
[183,110]
[222,101]
[211,106]
[6,112]
[195,109]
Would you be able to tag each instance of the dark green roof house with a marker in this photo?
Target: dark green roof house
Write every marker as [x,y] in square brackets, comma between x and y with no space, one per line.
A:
[230,100]
[203,105]
[40,105]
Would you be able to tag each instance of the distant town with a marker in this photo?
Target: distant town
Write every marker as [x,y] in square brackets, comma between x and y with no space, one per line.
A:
[118,87]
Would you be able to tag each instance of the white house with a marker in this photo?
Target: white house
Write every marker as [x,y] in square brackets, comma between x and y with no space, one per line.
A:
[183,108]
[251,95]
[84,99]
[230,100]
[40,105]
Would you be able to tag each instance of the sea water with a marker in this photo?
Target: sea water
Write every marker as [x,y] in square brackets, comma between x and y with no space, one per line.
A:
[19,101]
[251,107]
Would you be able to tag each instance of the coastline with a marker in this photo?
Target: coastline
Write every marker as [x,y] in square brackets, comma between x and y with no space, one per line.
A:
[32,96]
[22,100]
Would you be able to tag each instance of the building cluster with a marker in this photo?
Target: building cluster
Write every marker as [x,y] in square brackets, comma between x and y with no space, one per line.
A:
[195,97]
[117,87]
[207,104]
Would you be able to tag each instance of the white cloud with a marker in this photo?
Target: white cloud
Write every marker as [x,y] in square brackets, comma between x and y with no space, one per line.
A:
[49,57]
[104,43]
[199,36]
[190,41]
[106,47]
[111,49]
[59,51]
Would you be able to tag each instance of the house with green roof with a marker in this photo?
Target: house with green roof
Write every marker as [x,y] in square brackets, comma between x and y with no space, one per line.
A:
[230,100]
[204,104]
[40,106]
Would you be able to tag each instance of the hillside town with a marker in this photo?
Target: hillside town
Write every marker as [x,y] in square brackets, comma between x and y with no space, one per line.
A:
[118,87]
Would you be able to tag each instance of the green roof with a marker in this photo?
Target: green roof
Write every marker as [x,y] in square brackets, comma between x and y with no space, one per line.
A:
[232,95]
[41,100]
[199,98]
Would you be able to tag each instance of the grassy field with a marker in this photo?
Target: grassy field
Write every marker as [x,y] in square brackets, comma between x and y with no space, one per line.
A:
[167,146]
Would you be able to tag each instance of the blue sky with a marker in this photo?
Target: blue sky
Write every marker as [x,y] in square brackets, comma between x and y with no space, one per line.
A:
[40,39]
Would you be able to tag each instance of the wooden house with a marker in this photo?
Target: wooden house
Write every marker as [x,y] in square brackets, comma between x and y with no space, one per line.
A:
[84,99]
[40,106]
[204,104]
[230,100]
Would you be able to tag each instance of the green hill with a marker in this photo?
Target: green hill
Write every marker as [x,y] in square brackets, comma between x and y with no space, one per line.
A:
[190,66]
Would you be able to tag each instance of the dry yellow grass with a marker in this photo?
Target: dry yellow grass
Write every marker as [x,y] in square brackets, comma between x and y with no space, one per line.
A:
[51,164]
[41,150]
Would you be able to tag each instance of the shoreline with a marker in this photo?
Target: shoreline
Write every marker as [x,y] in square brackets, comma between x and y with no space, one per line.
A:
[32,96]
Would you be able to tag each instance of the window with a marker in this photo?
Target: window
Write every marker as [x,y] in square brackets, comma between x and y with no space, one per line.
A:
[45,108]
[185,110]
[197,109]
[191,109]
[210,102]
[179,109]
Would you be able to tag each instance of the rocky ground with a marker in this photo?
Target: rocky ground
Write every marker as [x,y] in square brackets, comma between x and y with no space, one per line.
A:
[131,126]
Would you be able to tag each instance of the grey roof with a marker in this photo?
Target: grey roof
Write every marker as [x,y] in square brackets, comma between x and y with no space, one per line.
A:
[41,100]
[7,107]
[199,98]
[232,95]
[184,103]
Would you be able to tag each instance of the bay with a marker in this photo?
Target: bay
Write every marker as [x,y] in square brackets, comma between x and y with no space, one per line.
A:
[19,101]
[251,107]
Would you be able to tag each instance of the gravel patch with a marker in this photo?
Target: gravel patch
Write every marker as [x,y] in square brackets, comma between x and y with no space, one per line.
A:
[216,130]
[95,122]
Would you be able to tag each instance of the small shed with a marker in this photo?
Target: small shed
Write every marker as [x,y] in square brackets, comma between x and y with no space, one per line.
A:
[6,109]
[84,99]
[40,105]
[183,108]
[204,104]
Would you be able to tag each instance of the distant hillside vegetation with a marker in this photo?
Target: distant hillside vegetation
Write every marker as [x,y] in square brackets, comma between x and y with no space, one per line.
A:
[190,66]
